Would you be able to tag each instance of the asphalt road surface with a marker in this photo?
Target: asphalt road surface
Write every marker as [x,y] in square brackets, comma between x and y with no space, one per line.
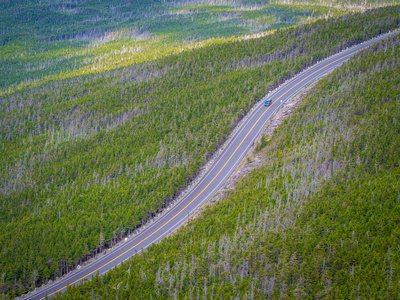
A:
[213,180]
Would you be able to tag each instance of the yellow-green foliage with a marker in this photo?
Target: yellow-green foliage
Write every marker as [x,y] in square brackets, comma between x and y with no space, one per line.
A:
[54,40]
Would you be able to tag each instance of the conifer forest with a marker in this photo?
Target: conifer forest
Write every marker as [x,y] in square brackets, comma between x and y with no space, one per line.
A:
[110,109]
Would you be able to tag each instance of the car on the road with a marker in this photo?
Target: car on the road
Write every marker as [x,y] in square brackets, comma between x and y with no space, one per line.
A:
[268,102]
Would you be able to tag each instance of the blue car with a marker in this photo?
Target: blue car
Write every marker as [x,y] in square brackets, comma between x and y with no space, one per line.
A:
[268,102]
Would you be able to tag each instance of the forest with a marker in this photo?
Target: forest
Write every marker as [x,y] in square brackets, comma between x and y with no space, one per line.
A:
[319,220]
[62,39]
[92,150]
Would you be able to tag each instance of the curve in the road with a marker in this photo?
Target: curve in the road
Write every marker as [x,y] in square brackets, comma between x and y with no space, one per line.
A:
[213,179]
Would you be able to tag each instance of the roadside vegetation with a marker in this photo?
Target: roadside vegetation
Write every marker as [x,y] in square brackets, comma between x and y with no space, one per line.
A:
[319,220]
[88,154]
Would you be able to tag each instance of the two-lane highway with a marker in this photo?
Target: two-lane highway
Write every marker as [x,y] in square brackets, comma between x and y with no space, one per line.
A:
[213,179]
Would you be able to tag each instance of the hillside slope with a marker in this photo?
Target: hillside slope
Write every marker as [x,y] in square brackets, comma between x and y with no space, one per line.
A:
[85,160]
[63,39]
[319,220]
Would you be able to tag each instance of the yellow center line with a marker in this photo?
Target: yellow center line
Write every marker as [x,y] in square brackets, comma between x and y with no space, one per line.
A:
[207,184]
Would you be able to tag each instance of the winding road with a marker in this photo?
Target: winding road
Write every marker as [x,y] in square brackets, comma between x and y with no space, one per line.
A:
[212,180]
